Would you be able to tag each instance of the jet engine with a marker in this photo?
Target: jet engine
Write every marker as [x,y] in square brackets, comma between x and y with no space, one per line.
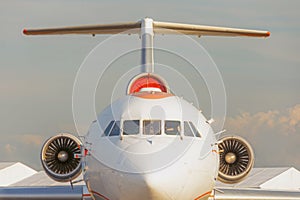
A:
[236,159]
[61,158]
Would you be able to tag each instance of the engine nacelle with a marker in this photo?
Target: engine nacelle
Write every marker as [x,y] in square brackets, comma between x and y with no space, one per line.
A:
[60,157]
[236,159]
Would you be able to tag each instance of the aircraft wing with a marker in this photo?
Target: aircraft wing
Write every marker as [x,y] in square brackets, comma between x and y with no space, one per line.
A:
[78,193]
[255,194]
[158,28]
[44,192]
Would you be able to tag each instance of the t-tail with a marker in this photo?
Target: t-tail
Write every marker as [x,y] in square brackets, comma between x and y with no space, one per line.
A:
[146,28]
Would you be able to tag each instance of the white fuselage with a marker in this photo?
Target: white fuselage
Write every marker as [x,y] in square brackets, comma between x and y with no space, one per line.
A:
[157,166]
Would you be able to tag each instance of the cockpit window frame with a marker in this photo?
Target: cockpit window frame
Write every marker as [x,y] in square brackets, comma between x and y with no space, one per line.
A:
[178,126]
[116,127]
[112,129]
[155,121]
[108,128]
[134,121]
[195,130]
[187,128]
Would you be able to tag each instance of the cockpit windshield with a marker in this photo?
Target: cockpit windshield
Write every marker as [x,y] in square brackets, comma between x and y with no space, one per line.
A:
[151,127]
[187,130]
[108,128]
[113,129]
[190,129]
[131,127]
[172,127]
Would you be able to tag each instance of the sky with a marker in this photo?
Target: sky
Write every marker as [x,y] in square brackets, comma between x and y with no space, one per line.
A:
[261,76]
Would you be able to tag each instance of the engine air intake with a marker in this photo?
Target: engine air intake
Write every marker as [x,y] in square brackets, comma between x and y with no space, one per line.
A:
[60,158]
[236,159]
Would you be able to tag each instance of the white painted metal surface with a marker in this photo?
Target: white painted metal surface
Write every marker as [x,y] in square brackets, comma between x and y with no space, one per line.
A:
[156,166]
[287,180]
[14,172]
[269,178]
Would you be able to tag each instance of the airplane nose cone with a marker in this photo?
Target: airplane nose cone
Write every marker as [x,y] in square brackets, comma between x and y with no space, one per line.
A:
[230,158]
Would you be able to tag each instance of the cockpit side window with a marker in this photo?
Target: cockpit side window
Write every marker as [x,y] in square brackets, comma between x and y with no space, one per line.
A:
[108,128]
[196,132]
[187,130]
[172,127]
[152,127]
[131,127]
[115,131]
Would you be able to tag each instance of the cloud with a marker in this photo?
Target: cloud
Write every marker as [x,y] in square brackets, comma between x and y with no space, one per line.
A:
[274,135]
[9,149]
[30,139]
[286,122]
[294,117]
[23,148]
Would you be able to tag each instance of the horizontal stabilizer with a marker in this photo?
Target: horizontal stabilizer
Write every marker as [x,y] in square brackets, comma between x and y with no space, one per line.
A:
[200,30]
[88,29]
[158,28]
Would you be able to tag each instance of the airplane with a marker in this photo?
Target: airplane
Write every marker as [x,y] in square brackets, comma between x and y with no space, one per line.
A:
[147,144]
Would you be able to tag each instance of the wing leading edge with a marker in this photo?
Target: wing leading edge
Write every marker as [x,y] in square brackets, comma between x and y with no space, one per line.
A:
[158,28]
[255,194]
[42,192]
